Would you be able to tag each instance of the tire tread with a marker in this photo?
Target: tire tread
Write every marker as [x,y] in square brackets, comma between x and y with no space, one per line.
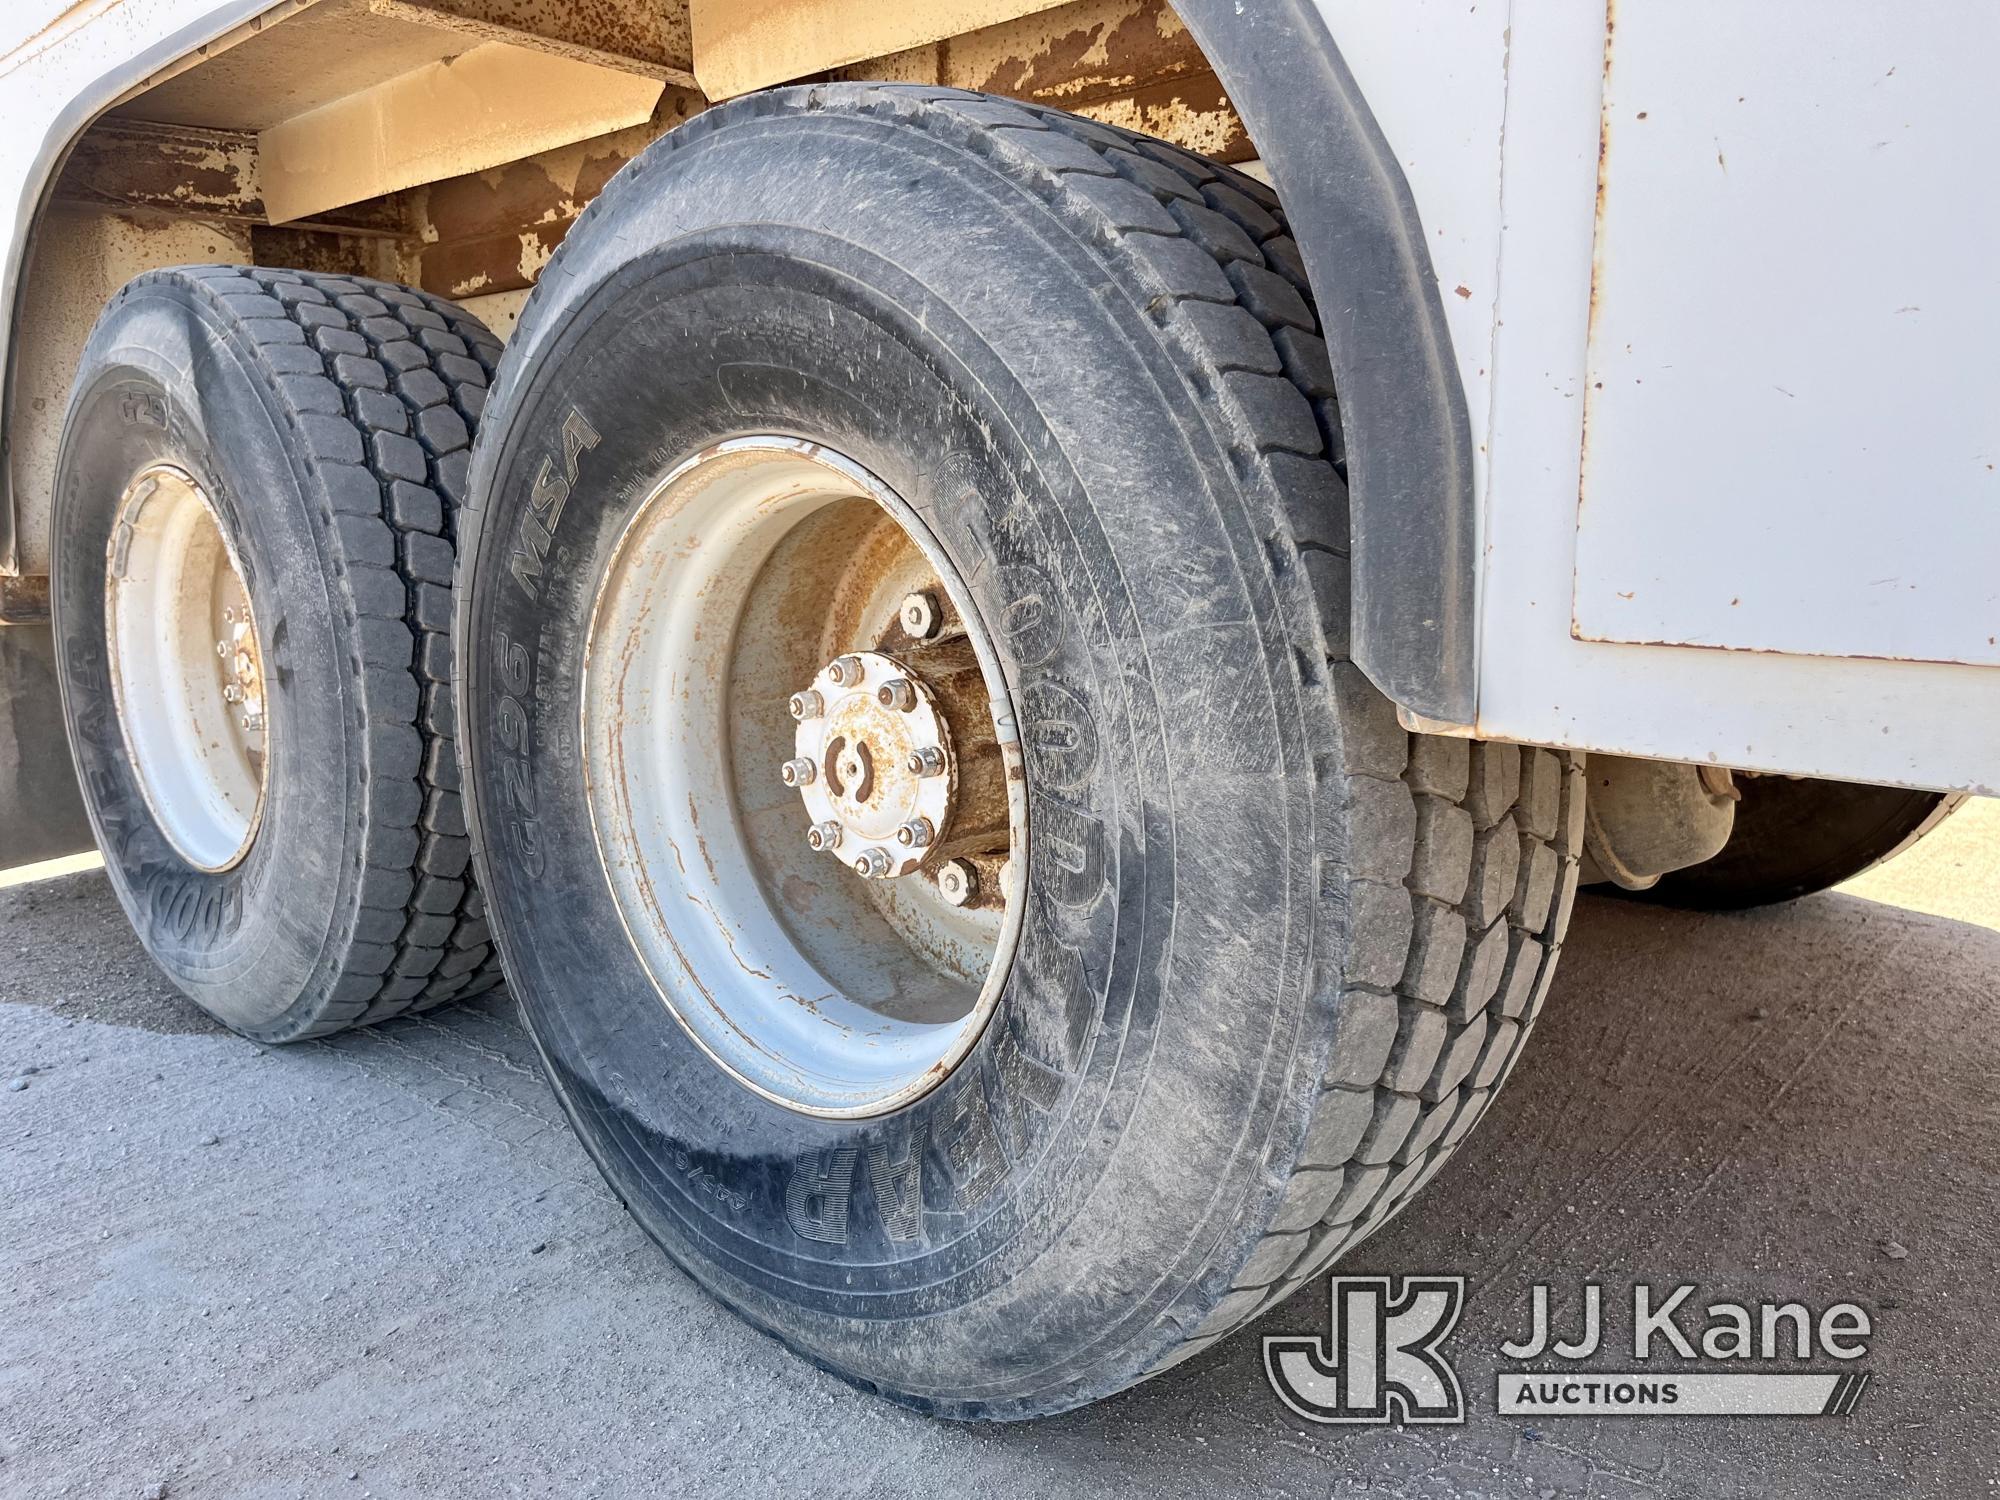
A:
[343,356]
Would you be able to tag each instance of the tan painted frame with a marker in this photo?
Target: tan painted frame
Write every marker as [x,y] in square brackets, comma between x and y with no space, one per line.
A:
[741,45]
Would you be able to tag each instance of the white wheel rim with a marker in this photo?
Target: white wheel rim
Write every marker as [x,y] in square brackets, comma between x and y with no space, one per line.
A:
[832,995]
[187,668]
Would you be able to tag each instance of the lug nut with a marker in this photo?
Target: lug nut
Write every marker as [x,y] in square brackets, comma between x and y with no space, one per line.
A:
[231,693]
[846,671]
[253,723]
[799,772]
[920,615]
[873,864]
[915,834]
[958,882]
[897,693]
[824,836]
[807,705]
[928,761]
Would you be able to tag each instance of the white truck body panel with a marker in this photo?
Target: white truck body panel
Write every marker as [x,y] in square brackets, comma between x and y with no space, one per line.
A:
[1796,298]
[1690,563]
[1692,493]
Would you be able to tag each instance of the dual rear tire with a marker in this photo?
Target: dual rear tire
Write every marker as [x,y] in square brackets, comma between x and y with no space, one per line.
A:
[255,530]
[947,486]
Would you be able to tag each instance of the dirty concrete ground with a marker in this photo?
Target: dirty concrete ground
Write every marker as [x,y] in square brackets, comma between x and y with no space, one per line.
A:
[381,1266]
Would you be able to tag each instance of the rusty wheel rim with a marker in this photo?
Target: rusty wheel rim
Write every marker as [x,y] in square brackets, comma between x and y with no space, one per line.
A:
[755,594]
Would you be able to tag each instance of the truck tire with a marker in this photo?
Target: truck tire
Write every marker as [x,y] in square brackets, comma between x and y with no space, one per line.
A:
[255,522]
[1255,958]
[1795,836]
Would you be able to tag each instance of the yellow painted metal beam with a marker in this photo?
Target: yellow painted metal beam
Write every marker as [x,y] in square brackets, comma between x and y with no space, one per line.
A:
[740,45]
[491,105]
[541,29]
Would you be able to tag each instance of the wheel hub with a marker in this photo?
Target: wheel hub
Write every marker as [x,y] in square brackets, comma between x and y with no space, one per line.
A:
[242,667]
[873,765]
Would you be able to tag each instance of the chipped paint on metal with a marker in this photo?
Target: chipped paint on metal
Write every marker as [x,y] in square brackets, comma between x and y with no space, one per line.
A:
[493,231]
[650,31]
[138,164]
[631,37]
[1131,63]
[741,45]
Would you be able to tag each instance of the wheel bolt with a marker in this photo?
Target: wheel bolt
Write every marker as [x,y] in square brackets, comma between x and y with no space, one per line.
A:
[897,693]
[928,761]
[252,723]
[873,864]
[231,693]
[824,836]
[958,882]
[846,671]
[798,772]
[915,834]
[806,705]
[920,615]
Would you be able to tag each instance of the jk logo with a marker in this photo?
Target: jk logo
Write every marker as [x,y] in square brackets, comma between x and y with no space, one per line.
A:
[1380,1360]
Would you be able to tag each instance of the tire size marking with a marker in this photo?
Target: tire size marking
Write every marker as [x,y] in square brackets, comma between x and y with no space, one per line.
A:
[514,727]
[704,1181]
